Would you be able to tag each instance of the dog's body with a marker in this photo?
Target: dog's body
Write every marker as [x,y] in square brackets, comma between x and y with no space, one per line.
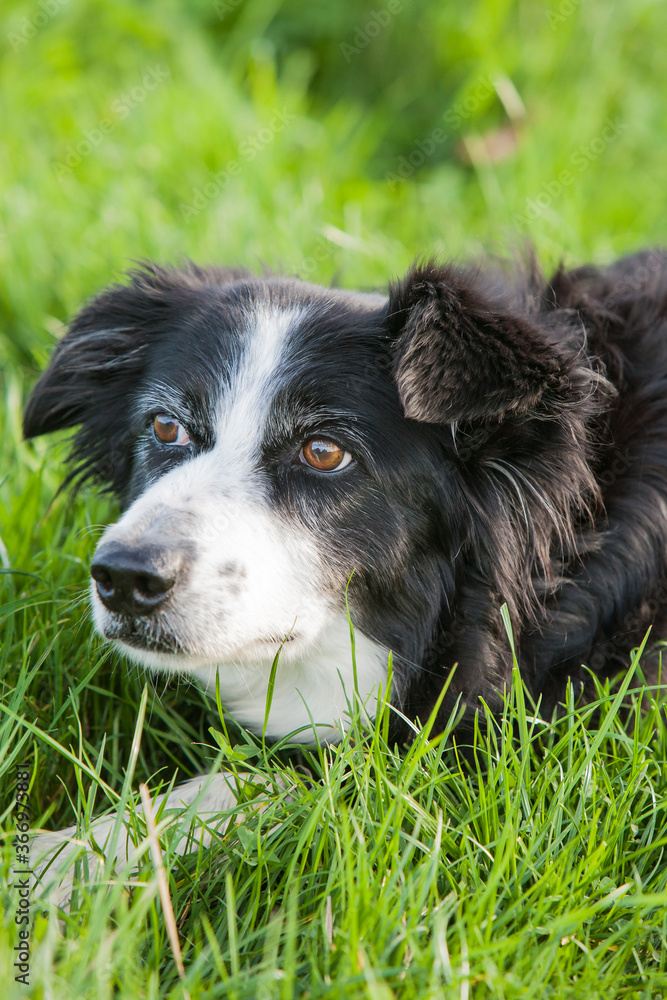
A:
[472,440]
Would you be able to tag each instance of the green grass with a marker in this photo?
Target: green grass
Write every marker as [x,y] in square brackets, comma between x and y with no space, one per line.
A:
[536,867]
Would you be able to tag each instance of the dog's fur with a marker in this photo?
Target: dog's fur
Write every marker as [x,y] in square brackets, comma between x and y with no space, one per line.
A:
[505,440]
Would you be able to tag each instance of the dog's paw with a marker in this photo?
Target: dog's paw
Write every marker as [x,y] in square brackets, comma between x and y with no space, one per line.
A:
[193,813]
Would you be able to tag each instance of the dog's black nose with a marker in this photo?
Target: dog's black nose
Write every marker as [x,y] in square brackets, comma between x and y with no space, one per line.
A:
[131,580]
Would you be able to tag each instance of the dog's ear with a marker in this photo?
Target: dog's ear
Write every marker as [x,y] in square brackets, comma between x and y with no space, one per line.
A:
[458,356]
[96,367]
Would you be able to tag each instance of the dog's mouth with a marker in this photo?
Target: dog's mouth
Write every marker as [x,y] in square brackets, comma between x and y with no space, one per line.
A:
[154,638]
[130,632]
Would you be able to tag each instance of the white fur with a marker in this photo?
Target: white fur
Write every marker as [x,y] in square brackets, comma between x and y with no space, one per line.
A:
[245,403]
[312,689]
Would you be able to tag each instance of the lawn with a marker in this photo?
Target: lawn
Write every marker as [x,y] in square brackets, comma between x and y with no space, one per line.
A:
[337,142]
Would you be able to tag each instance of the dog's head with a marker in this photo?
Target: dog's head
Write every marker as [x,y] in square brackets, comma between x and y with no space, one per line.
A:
[273,442]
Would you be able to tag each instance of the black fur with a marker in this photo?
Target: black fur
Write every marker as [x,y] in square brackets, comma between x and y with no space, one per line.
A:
[512,442]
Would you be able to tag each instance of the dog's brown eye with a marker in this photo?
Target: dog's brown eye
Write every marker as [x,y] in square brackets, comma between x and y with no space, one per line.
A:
[169,431]
[324,455]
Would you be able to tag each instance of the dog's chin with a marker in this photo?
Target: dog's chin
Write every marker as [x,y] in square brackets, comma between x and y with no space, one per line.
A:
[140,637]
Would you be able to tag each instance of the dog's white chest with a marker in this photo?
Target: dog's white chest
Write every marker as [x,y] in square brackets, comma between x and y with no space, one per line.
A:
[315,689]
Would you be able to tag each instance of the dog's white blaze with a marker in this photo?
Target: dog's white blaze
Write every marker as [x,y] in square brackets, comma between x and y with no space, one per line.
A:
[256,578]
[245,405]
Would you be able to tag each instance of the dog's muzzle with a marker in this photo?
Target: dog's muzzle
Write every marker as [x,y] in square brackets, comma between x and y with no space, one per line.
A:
[135,580]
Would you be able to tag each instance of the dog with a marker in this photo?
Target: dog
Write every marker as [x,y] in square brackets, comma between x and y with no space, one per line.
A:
[289,455]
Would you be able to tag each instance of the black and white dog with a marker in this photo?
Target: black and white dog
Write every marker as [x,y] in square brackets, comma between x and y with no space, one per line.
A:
[472,439]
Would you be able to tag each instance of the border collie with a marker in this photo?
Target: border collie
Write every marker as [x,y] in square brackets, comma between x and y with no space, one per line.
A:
[476,438]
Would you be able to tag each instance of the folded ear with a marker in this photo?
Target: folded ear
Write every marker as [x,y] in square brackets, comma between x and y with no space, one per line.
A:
[96,367]
[458,356]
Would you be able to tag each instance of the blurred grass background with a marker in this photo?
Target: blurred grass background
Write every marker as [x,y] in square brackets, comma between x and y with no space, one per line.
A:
[183,90]
[332,141]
